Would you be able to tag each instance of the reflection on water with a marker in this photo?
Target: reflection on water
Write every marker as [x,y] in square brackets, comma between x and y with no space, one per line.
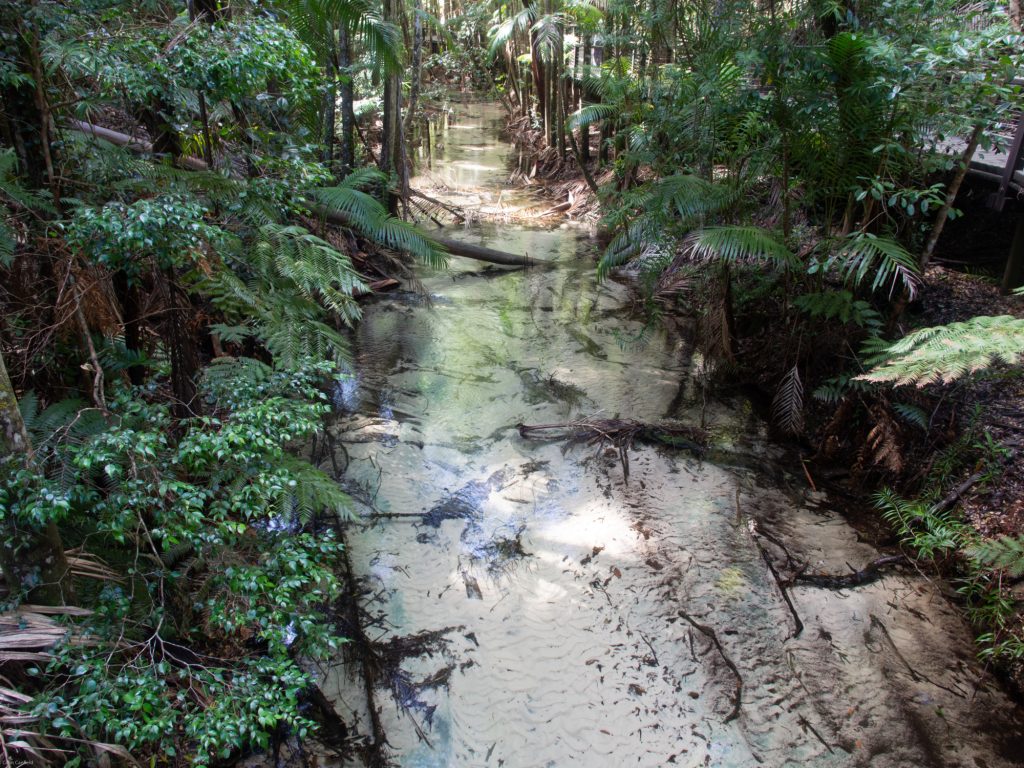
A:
[556,591]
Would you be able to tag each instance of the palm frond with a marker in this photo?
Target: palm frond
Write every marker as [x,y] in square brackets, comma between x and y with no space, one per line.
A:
[863,255]
[371,219]
[739,243]
[788,405]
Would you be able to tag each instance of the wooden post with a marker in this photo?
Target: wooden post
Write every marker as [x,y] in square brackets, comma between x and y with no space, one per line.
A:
[1013,277]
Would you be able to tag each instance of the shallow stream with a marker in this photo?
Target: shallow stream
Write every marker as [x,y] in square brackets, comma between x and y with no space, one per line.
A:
[531,607]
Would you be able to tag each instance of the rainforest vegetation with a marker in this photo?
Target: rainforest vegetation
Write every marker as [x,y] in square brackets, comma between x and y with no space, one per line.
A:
[194,197]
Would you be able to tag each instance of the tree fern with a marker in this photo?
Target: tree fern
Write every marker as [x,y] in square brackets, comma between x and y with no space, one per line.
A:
[945,353]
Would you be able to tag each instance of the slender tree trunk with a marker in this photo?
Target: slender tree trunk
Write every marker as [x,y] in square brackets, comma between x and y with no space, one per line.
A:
[951,192]
[417,64]
[392,154]
[32,560]
[585,130]
[1015,15]
[128,297]
[348,116]
[180,344]
[537,69]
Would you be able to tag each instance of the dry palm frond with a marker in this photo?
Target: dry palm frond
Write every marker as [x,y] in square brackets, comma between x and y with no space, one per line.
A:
[29,632]
[32,747]
[788,406]
[89,566]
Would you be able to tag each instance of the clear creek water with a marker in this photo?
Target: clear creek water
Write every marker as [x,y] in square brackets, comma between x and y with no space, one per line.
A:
[530,605]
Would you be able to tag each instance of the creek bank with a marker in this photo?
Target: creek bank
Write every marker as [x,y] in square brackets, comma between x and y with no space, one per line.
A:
[562,591]
[864,441]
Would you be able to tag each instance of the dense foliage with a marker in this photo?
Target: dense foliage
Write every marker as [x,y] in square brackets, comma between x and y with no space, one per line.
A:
[175,306]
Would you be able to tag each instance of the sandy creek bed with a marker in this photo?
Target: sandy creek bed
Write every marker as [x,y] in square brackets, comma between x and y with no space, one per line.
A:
[558,593]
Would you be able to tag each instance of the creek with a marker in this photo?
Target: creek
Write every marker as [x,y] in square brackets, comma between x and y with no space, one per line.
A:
[529,606]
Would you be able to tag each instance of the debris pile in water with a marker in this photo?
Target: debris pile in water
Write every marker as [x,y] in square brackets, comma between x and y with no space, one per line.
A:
[619,434]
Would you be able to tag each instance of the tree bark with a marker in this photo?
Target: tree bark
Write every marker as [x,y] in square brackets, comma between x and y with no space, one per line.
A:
[392,155]
[348,116]
[1013,277]
[32,559]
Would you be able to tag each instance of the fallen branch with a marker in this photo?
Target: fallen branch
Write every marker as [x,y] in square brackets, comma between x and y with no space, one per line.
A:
[709,633]
[866,575]
[454,247]
[620,434]
[914,674]
[799,625]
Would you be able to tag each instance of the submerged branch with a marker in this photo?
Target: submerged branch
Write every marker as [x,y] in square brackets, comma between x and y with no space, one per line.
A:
[710,633]
[866,575]
[620,434]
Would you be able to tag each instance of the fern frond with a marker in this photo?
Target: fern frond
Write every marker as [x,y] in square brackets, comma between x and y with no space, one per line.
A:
[1005,553]
[945,353]
[227,375]
[315,491]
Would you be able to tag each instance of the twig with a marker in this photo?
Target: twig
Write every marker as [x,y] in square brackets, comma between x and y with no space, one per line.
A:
[806,724]
[799,628]
[957,493]
[914,674]
[710,634]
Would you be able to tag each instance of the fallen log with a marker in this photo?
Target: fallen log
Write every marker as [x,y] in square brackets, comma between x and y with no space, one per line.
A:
[454,247]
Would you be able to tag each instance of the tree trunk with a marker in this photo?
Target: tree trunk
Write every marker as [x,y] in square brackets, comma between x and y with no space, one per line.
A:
[951,191]
[392,155]
[32,560]
[180,344]
[585,130]
[417,64]
[348,116]
[1015,15]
